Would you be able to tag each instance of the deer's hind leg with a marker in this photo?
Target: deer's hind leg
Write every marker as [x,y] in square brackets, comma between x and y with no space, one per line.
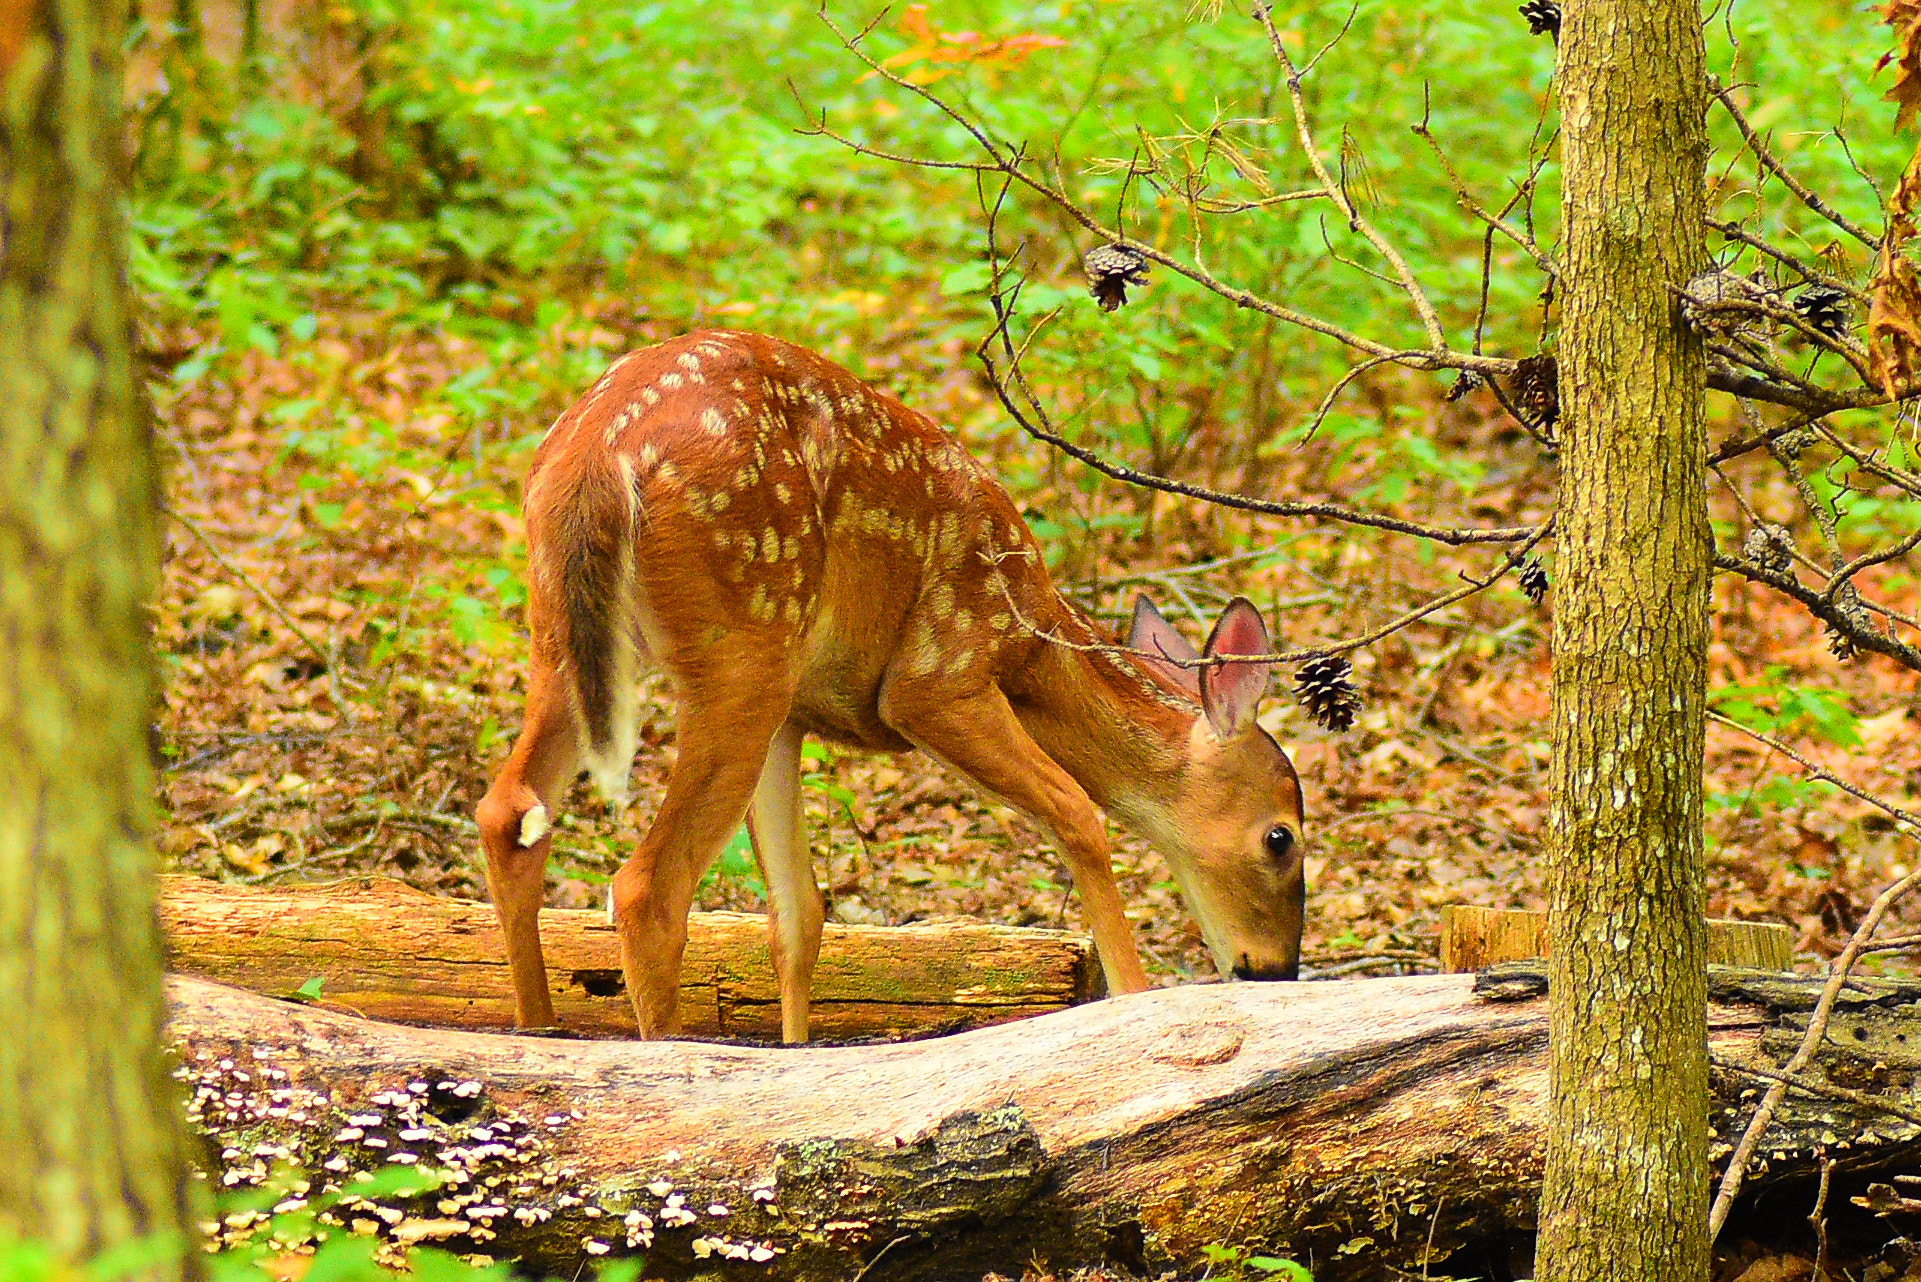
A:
[794,915]
[725,729]
[516,822]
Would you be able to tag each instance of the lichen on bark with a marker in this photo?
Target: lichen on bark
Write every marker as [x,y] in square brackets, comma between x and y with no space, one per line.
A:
[89,1145]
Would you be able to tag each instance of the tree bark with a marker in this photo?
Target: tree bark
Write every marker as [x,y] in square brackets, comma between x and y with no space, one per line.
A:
[388,951]
[90,1151]
[1629,1064]
[1360,1127]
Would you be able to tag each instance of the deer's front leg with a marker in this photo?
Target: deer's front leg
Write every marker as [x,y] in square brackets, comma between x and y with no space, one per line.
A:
[978,734]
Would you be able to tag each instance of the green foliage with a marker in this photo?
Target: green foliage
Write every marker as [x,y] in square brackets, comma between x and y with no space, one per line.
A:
[1775,707]
[1239,1264]
[735,863]
[497,169]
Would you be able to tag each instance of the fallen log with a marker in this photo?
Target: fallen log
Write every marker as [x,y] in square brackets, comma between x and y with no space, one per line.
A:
[387,951]
[1358,1126]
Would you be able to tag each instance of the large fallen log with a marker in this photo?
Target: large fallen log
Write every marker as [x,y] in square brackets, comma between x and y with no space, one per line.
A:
[385,950]
[1360,1126]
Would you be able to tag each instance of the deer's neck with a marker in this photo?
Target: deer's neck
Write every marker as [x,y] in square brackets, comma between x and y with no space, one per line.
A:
[1120,735]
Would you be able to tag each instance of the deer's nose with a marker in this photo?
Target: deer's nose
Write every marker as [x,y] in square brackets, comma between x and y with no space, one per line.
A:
[1247,968]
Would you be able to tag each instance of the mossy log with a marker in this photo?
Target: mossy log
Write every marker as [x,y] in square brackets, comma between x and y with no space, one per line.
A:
[1360,1126]
[387,951]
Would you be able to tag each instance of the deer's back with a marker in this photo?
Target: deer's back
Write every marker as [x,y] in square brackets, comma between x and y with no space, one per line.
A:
[789,523]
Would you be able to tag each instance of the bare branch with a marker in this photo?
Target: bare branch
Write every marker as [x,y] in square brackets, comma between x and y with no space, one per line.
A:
[1734,231]
[1736,1173]
[1888,808]
[1725,96]
[1430,323]
[1034,421]
[1818,604]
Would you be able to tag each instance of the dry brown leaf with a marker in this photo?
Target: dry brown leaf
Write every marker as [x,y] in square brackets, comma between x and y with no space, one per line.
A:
[1905,17]
[1894,309]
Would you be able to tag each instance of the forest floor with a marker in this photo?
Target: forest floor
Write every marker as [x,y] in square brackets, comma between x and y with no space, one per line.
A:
[343,668]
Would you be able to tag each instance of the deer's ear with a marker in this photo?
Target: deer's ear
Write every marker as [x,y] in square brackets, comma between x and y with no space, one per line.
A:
[1150,632]
[1231,692]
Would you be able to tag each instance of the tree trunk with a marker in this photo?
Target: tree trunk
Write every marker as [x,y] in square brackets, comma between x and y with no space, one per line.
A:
[1367,1128]
[387,951]
[1629,1060]
[90,1154]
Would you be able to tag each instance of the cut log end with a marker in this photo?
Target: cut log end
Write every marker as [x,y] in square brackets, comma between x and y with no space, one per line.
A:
[1474,938]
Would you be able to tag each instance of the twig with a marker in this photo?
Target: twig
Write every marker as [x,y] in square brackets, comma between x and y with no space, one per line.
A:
[1725,96]
[1006,159]
[1818,1217]
[1826,776]
[1036,423]
[993,556]
[1430,323]
[1736,1174]
[1818,1090]
[266,598]
[400,818]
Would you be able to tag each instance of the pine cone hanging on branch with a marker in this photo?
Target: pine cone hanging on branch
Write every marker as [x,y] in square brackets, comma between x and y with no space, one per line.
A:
[1543,18]
[1110,270]
[1769,546]
[1533,580]
[1323,688]
[1825,308]
[1535,386]
[1848,601]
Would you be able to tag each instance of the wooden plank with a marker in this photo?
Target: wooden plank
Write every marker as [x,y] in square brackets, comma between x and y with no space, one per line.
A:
[1475,938]
[387,951]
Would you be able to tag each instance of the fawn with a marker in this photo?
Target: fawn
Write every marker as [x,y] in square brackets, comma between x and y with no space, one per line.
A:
[802,554]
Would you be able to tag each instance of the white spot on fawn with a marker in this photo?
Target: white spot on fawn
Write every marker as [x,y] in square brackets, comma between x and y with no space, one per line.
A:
[534,825]
[713,421]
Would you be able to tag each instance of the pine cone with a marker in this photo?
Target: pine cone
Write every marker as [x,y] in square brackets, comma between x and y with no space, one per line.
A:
[1791,445]
[1769,546]
[1825,308]
[1110,270]
[1324,690]
[1533,579]
[1716,302]
[1535,386]
[1848,601]
[1543,18]
[1469,381]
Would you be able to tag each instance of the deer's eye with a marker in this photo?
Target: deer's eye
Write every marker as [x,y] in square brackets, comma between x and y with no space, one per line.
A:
[1279,841]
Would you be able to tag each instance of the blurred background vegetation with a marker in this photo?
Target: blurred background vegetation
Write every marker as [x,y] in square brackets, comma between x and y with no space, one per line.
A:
[379,245]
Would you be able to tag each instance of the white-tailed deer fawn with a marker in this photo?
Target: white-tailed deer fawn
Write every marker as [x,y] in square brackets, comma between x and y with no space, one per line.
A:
[801,554]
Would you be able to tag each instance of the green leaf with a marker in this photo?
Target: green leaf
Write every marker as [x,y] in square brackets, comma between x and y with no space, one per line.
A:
[309,991]
[968,278]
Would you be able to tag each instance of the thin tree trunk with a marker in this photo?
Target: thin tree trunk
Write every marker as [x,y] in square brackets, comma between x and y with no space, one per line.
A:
[1625,1190]
[90,1147]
